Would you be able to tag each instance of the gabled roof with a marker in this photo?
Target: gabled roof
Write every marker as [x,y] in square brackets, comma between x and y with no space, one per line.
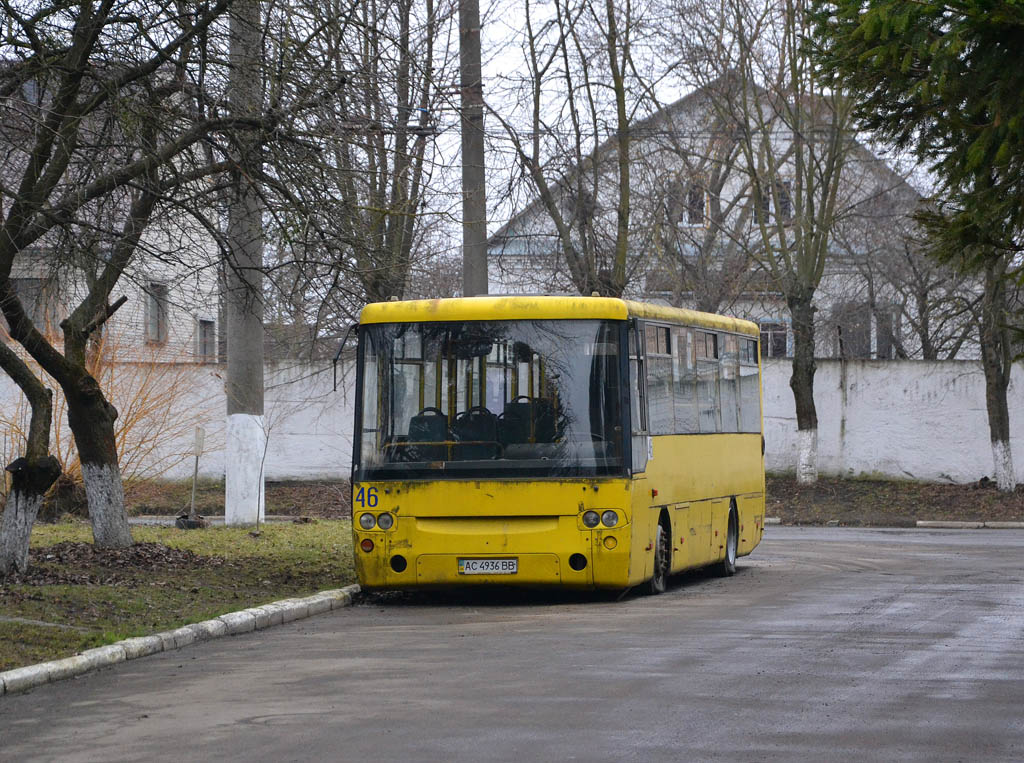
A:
[666,113]
[607,146]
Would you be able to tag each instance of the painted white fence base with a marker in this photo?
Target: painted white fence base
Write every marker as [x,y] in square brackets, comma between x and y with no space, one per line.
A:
[244,494]
[807,456]
[1002,458]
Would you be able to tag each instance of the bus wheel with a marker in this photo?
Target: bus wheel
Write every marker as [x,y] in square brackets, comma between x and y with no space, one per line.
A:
[728,565]
[659,579]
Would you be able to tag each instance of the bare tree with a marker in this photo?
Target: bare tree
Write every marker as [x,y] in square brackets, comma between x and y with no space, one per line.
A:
[353,215]
[921,308]
[582,92]
[997,356]
[797,151]
[697,206]
[116,134]
[102,138]
[983,242]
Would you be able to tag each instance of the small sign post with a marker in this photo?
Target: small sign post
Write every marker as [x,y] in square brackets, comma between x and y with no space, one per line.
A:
[200,434]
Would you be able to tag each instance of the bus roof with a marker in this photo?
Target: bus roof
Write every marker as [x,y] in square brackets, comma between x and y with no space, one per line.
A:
[543,308]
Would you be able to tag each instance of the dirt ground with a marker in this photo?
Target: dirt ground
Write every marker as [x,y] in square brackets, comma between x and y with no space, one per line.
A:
[881,503]
[847,502]
[850,502]
[322,499]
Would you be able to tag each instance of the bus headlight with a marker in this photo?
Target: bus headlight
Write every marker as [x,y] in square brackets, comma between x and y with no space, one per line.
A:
[367,521]
[590,519]
[385,521]
[609,518]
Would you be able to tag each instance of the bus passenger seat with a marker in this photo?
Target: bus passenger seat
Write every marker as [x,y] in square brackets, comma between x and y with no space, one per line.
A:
[429,425]
[543,420]
[477,429]
[514,423]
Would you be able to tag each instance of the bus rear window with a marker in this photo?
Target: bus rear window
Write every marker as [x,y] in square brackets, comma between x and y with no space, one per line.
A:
[486,399]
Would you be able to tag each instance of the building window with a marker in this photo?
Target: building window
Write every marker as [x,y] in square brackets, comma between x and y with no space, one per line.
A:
[852,322]
[206,341]
[156,313]
[775,204]
[864,331]
[784,199]
[696,202]
[36,300]
[773,340]
[687,203]
[32,93]
[887,334]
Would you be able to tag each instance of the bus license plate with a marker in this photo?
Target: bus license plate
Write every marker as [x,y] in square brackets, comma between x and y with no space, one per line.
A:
[488,566]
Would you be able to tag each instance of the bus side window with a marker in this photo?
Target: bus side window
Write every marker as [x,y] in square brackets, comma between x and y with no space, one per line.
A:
[750,391]
[661,417]
[637,399]
[371,429]
[708,405]
[729,382]
[684,377]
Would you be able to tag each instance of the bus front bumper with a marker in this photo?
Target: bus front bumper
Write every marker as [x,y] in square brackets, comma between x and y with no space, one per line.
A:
[400,567]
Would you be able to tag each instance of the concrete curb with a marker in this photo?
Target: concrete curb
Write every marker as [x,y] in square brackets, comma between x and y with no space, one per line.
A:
[938,524]
[949,525]
[244,621]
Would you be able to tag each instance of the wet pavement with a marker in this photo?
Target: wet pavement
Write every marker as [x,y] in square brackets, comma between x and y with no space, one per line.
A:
[828,644]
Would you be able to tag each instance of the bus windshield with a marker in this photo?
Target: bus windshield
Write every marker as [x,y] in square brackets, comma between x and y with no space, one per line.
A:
[480,399]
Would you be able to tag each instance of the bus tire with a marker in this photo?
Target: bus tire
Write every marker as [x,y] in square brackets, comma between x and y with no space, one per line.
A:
[662,561]
[727,566]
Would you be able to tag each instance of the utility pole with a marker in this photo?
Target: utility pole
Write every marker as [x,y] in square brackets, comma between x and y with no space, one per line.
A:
[474,200]
[243,274]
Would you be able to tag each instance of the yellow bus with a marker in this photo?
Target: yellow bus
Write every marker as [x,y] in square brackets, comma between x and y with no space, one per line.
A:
[586,442]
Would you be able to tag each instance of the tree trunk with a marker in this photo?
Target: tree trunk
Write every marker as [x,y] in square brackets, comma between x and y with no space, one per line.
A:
[31,475]
[30,481]
[996,360]
[91,419]
[802,384]
[244,495]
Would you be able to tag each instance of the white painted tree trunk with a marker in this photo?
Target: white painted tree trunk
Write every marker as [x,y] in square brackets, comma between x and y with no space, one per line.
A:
[807,456]
[243,471]
[1002,457]
[19,516]
[105,494]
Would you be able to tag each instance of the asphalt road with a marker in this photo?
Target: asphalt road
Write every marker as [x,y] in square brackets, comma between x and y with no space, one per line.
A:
[828,644]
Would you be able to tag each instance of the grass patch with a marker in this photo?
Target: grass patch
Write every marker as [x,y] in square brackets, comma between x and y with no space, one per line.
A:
[75,597]
[26,644]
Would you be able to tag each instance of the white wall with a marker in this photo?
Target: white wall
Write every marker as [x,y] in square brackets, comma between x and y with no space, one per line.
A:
[912,419]
[902,419]
[309,426]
